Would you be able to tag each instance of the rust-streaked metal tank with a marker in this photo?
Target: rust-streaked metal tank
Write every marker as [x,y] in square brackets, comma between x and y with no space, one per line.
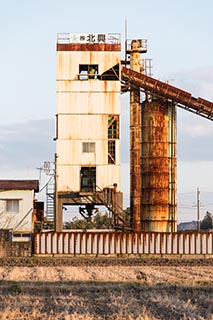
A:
[158,166]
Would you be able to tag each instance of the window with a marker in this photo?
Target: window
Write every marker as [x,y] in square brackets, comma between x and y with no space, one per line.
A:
[88,178]
[113,127]
[88,71]
[12,206]
[111,151]
[88,147]
[113,134]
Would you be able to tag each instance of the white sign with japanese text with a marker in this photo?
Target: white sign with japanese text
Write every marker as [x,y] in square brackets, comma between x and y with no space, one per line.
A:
[88,38]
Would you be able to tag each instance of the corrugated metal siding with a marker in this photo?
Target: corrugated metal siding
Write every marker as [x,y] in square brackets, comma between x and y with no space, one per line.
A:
[87,103]
[98,86]
[70,153]
[107,175]
[103,243]
[83,107]
[85,127]
[68,62]
[19,185]
[69,180]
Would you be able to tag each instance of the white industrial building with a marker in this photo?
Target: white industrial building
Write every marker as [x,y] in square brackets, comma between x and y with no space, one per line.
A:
[87,120]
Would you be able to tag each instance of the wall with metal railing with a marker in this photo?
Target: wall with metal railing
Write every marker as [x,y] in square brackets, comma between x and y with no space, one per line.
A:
[114,243]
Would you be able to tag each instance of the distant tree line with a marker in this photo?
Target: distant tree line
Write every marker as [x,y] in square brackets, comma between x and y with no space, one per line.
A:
[99,221]
[105,221]
[207,222]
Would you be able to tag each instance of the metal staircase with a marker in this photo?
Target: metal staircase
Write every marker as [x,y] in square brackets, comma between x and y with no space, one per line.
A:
[97,197]
[50,201]
[107,196]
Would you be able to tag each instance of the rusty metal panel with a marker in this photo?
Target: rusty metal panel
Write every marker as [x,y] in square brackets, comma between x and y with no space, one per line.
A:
[86,127]
[89,103]
[181,243]
[210,242]
[83,107]
[204,243]
[182,98]
[140,243]
[103,243]
[174,243]
[107,175]
[94,86]
[135,136]
[112,242]
[68,64]
[71,153]
[151,242]
[162,243]
[156,178]
[88,47]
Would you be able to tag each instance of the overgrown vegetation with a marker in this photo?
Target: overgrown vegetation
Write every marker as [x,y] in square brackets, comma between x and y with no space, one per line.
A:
[101,301]
[99,221]
[207,222]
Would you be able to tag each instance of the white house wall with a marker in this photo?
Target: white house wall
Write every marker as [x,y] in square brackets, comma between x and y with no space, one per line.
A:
[22,220]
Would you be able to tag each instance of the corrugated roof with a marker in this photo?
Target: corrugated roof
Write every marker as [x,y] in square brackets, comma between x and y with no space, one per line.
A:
[19,185]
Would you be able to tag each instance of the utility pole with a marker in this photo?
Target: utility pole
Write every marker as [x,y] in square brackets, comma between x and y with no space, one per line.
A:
[198,209]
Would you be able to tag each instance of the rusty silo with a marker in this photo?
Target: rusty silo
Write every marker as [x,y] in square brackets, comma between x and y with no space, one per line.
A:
[152,155]
[158,166]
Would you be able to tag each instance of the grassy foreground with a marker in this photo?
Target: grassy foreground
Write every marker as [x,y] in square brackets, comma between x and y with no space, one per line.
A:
[106,292]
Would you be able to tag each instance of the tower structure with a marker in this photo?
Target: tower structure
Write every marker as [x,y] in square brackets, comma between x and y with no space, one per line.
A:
[87,124]
[152,153]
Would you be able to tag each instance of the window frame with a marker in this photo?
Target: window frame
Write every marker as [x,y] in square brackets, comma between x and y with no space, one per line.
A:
[12,206]
[88,147]
[84,71]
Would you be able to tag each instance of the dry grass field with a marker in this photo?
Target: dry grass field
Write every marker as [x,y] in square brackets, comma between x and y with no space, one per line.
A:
[116,289]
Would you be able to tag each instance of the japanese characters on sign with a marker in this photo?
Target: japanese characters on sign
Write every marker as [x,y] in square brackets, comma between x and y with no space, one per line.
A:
[88,38]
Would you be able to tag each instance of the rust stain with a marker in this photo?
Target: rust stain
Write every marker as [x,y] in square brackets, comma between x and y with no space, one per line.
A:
[155,167]
[88,47]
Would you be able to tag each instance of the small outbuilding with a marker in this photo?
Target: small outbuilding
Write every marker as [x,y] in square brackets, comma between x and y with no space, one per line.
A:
[18,207]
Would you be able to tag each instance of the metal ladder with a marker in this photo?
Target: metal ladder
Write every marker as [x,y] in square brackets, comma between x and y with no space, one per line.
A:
[50,201]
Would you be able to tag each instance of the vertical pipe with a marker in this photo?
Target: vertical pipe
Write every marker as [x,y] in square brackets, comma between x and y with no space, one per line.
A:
[172,168]
[135,141]
[58,216]
[198,209]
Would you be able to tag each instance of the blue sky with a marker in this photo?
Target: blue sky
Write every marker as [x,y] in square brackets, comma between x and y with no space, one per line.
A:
[179,37]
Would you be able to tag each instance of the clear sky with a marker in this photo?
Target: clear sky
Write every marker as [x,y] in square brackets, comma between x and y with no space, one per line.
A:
[179,37]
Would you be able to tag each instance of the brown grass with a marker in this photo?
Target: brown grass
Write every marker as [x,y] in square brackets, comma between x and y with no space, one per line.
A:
[112,292]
